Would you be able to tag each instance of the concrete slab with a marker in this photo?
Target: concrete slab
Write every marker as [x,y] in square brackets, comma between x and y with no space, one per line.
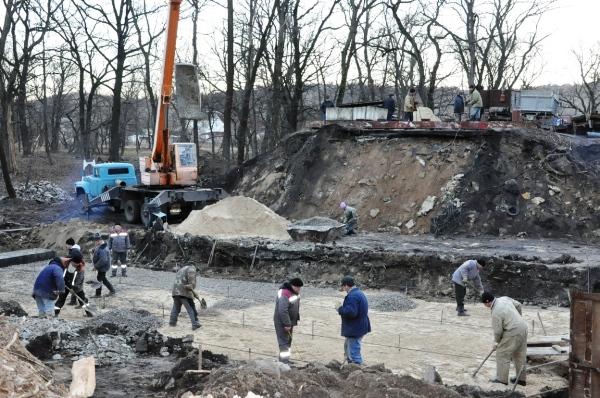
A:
[25,256]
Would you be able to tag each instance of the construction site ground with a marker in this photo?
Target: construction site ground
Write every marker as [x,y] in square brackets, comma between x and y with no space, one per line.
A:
[238,322]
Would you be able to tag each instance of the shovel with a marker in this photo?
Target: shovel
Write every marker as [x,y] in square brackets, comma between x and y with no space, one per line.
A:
[486,358]
[87,312]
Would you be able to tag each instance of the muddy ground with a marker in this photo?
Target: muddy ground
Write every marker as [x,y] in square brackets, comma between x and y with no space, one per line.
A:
[238,323]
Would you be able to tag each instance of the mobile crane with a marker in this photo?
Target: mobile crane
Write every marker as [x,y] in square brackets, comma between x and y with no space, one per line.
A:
[168,176]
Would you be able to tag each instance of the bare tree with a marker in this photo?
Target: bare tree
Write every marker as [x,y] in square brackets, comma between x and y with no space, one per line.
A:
[585,96]
[353,12]
[253,58]
[18,17]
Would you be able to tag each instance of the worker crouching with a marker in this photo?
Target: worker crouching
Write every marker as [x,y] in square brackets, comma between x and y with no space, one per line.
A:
[287,315]
[510,335]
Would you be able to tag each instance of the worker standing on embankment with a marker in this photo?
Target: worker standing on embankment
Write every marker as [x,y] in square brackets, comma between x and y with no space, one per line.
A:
[287,315]
[510,335]
[469,270]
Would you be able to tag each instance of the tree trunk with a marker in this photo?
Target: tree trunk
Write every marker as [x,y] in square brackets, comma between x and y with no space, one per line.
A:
[229,93]
[10,190]
[115,123]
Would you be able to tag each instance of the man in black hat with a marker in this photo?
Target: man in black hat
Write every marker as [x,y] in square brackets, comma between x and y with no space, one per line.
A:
[355,319]
[102,264]
[287,315]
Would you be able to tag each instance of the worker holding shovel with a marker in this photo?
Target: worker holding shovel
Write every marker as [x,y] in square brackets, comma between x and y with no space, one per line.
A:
[183,294]
[74,276]
[510,335]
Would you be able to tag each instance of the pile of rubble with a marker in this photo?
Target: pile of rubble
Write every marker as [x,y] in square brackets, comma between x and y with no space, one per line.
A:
[23,375]
[267,378]
[391,302]
[42,192]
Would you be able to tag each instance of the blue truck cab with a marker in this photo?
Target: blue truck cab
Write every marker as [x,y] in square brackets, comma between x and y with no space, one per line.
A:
[99,178]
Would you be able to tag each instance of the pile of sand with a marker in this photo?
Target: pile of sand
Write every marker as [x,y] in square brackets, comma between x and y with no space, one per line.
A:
[235,217]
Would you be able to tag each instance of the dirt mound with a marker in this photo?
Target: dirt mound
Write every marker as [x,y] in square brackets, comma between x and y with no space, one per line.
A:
[11,308]
[23,375]
[521,183]
[235,217]
[267,378]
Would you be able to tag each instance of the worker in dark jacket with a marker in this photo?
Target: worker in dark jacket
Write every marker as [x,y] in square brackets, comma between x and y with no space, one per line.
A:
[183,294]
[459,107]
[118,244]
[101,261]
[287,315]
[355,319]
[390,104]
[74,276]
[72,246]
[326,104]
[49,284]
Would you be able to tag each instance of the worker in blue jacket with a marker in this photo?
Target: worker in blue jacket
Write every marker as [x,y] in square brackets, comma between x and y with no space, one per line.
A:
[355,319]
[50,283]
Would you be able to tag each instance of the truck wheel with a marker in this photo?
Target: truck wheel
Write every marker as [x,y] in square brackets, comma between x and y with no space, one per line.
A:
[132,211]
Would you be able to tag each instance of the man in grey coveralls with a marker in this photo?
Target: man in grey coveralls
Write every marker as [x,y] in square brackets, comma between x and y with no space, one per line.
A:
[287,315]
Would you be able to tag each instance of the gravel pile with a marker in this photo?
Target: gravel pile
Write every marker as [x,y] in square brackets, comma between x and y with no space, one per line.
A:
[124,321]
[390,302]
[30,328]
[42,192]
[107,349]
[319,222]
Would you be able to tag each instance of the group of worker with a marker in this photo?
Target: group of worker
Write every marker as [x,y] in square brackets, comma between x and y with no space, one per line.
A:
[65,275]
[411,103]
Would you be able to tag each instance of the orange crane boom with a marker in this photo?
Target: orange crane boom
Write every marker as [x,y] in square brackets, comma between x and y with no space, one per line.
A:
[160,151]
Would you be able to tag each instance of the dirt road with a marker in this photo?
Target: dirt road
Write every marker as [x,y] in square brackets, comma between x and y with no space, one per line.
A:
[238,323]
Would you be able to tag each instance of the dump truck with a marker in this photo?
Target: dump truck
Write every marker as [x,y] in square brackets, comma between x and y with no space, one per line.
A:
[167,186]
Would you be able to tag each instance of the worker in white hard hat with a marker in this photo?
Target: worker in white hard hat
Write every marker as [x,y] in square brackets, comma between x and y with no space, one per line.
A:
[350,218]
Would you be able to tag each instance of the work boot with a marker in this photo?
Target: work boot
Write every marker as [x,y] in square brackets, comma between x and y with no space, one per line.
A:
[112,293]
[124,272]
[194,327]
[462,313]
[114,273]
[494,380]
[520,382]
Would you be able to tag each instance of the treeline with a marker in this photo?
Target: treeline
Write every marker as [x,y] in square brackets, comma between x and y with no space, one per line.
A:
[82,75]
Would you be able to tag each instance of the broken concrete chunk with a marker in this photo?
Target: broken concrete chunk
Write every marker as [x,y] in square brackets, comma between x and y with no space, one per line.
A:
[84,378]
[554,188]
[428,205]
[538,200]
[373,213]
[431,375]
[420,160]
[526,195]
[410,224]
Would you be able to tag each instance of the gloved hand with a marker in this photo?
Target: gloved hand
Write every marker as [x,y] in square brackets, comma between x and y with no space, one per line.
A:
[495,346]
[465,279]
[287,328]
[337,305]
